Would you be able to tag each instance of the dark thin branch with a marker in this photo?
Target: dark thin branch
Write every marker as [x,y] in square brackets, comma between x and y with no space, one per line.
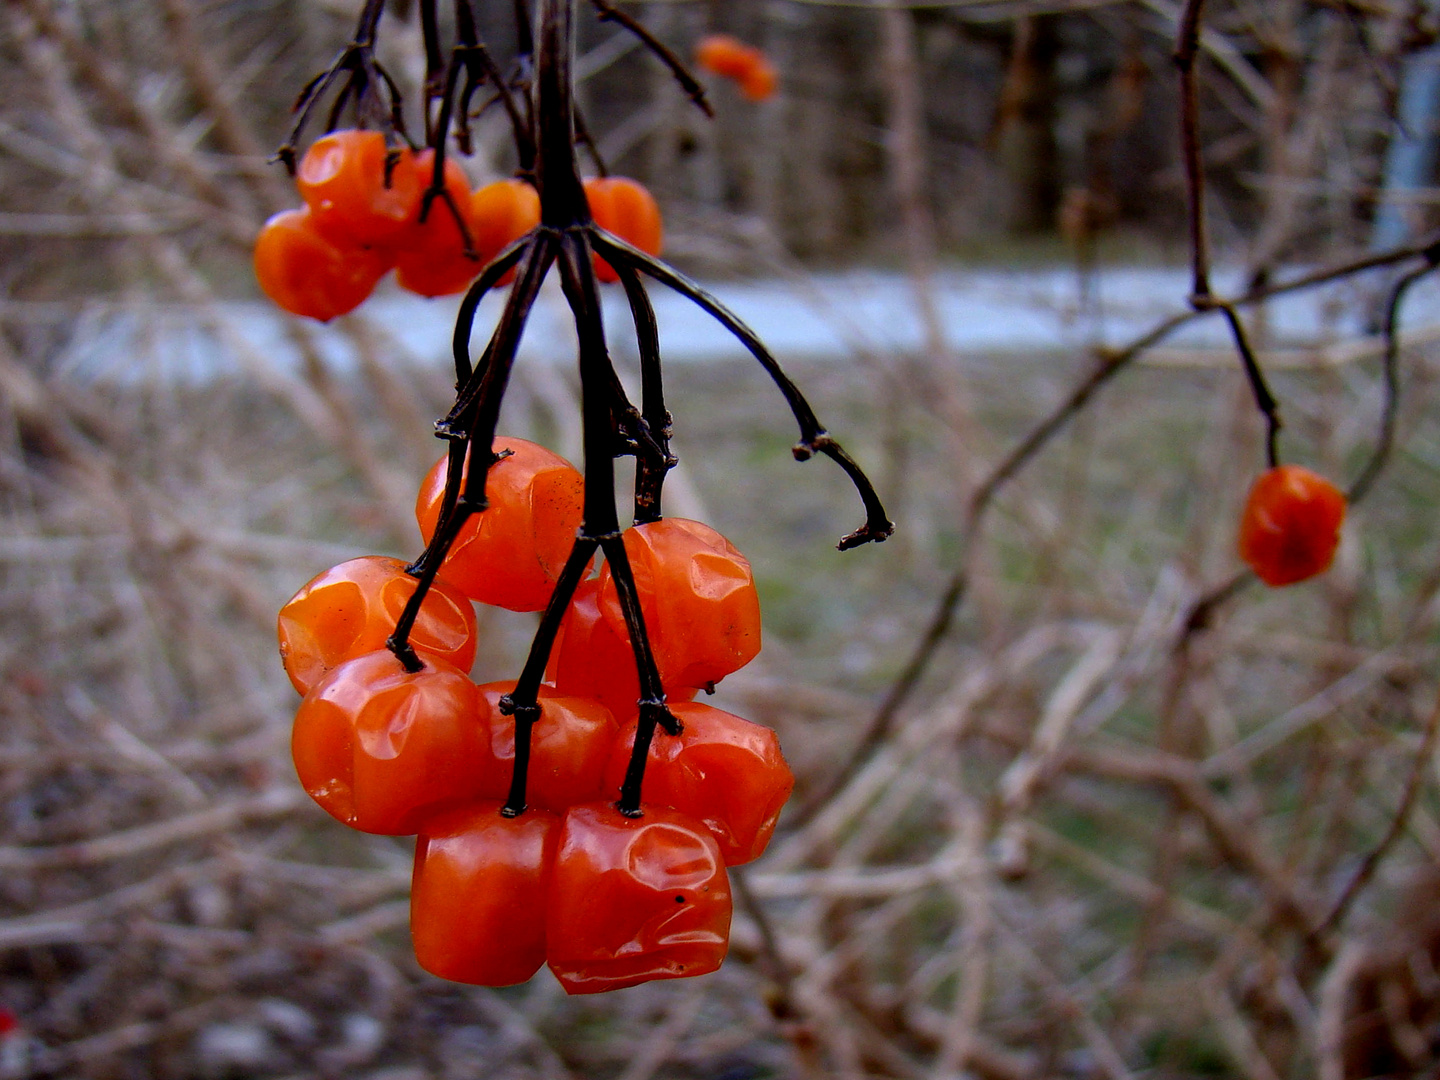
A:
[1390,373]
[1264,398]
[465,320]
[650,469]
[693,90]
[523,701]
[1187,48]
[357,58]
[583,138]
[813,436]
[535,260]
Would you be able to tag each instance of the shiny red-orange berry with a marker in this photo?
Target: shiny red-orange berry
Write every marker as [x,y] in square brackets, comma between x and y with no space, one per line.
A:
[511,554]
[430,255]
[698,599]
[342,179]
[569,746]
[382,749]
[307,274]
[592,659]
[351,609]
[725,772]
[635,899]
[624,207]
[1290,528]
[479,893]
[503,212]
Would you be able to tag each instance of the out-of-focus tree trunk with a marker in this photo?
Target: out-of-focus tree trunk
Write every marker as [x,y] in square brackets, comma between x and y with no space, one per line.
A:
[1024,134]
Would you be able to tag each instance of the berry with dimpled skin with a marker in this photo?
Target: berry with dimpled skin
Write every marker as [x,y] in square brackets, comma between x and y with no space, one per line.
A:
[698,599]
[511,554]
[382,749]
[725,772]
[569,746]
[635,899]
[351,609]
[307,274]
[591,659]
[342,179]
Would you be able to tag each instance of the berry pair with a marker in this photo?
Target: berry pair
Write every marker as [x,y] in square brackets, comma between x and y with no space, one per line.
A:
[362,217]
[607,900]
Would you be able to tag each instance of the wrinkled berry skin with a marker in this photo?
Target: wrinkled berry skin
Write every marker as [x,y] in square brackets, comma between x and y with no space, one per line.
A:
[635,899]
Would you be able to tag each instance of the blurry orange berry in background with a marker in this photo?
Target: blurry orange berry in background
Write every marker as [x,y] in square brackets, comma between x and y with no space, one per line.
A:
[352,608]
[342,179]
[479,894]
[731,58]
[624,207]
[724,55]
[759,82]
[503,212]
[1291,525]
[511,554]
[430,255]
[307,274]
[382,749]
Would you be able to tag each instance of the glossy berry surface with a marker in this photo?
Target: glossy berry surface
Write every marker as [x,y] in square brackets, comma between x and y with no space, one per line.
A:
[511,554]
[503,212]
[352,608]
[382,749]
[430,255]
[627,209]
[698,598]
[569,746]
[479,894]
[1290,528]
[725,772]
[635,899]
[342,180]
[592,659]
[307,274]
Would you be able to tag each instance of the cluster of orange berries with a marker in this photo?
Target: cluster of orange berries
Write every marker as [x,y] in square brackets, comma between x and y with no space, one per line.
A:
[745,65]
[362,218]
[1290,528]
[605,899]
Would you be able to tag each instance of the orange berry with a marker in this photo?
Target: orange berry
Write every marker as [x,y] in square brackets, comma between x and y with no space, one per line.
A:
[306,274]
[431,257]
[503,212]
[511,554]
[1291,525]
[625,208]
[342,180]
[351,609]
